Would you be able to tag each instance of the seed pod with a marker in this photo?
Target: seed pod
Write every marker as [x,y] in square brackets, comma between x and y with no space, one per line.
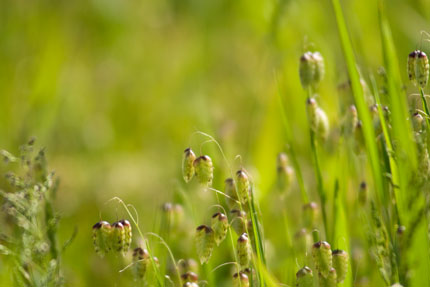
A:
[304,277]
[205,241]
[412,58]
[351,120]
[240,280]
[238,222]
[243,186]
[220,227]
[285,173]
[190,284]
[422,69]
[310,211]
[127,234]
[118,236]
[244,251]
[188,164]
[307,70]
[187,265]
[101,237]
[141,261]
[362,193]
[417,121]
[319,68]
[230,191]
[203,168]
[330,280]
[340,263]
[321,252]
[318,120]
[303,241]
[189,277]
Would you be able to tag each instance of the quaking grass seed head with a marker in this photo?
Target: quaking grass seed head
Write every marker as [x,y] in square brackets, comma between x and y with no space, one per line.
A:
[305,277]
[219,226]
[240,279]
[101,237]
[244,251]
[118,236]
[322,255]
[230,191]
[422,69]
[285,173]
[141,261]
[328,281]
[127,234]
[186,265]
[311,69]
[205,241]
[412,57]
[203,168]
[189,277]
[418,122]
[340,263]
[188,164]
[238,221]
[190,284]
[310,211]
[243,186]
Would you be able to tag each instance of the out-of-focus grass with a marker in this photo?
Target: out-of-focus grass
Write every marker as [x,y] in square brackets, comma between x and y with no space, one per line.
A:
[114,89]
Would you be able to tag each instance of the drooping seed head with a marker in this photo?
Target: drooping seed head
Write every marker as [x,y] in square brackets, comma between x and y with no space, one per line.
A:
[322,255]
[362,193]
[285,173]
[118,237]
[340,263]
[282,160]
[422,69]
[189,277]
[190,284]
[318,120]
[219,226]
[238,221]
[205,241]
[319,68]
[304,277]
[203,169]
[328,281]
[303,241]
[127,234]
[188,164]
[351,120]
[141,261]
[187,265]
[101,237]
[230,191]
[412,58]
[418,122]
[243,250]
[310,211]
[307,70]
[240,280]
[243,186]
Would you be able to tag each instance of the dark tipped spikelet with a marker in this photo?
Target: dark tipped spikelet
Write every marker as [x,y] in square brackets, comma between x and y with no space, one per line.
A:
[240,280]
[330,280]
[318,120]
[230,191]
[203,169]
[304,277]
[238,221]
[340,263]
[101,237]
[205,241]
[219,226]
[244,251]
[118,236]
[189,277]
[141,261]
[412,58]
[311,69]
[127,234]
[187,265]
[188,164]
[310,211]
[285,173]
[418,68]
[243,186]
[322,255]
[418,122]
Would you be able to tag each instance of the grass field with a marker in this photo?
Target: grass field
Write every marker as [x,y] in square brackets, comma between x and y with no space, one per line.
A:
[306,104]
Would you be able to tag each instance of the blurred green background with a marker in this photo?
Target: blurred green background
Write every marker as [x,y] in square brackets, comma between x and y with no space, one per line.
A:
[115,91]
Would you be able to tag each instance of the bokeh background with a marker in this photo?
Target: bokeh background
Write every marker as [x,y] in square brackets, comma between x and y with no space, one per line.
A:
[115,90]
